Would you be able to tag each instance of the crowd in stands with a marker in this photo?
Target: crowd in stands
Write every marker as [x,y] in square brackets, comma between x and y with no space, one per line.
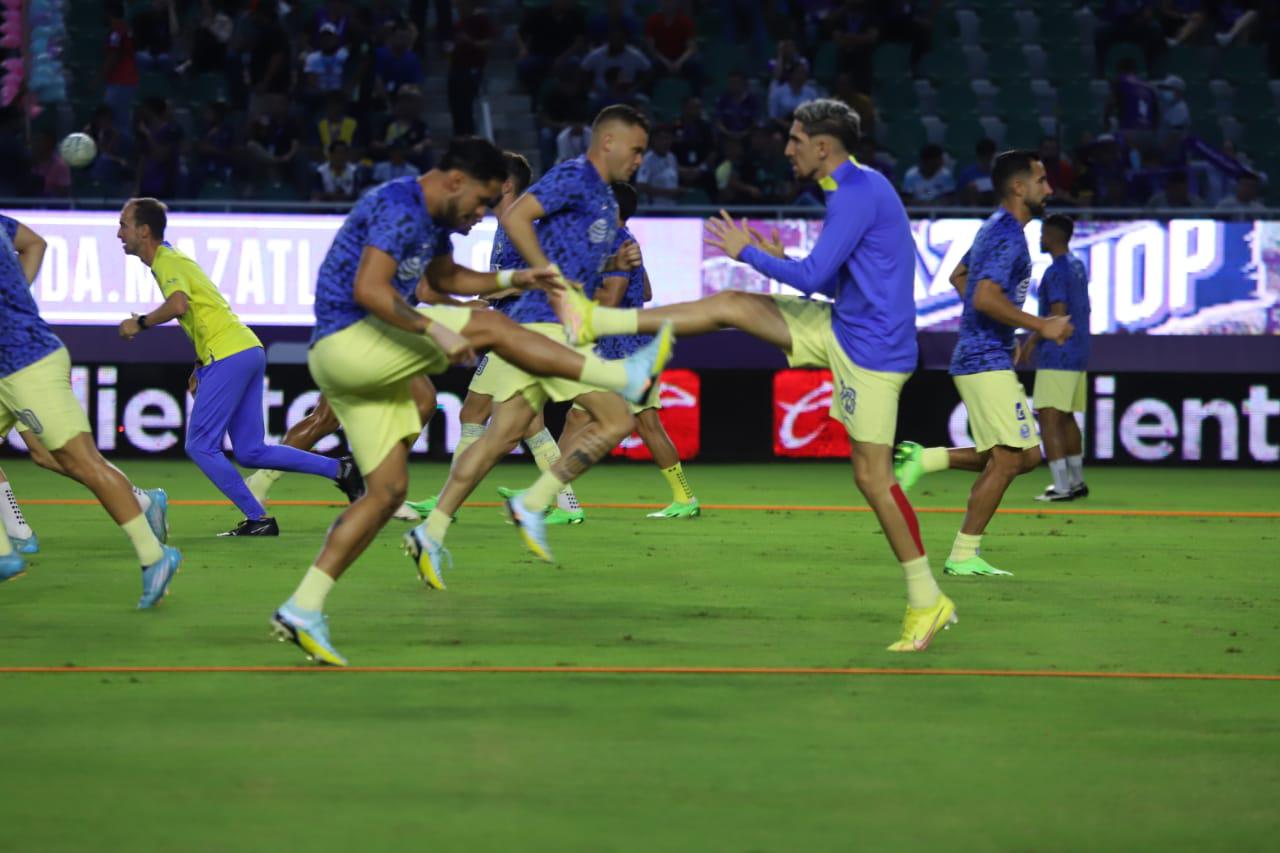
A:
[326,99]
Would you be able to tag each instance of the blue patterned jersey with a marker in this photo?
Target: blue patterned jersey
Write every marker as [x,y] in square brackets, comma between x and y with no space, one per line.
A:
[576,232]
[1067,282]
[25,337]
[999,253]
[621,346]
[504,257]
[391,217]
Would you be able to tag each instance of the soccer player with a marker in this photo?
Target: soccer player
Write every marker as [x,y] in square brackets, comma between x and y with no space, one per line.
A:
[631,289]
[570,217]
[478,404]
[368,342]
[864,259]
[1060,370]
[228,376]
[992,281]
[35,391]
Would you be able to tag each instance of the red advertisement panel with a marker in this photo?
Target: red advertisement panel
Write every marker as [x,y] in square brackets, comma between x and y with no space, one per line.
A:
[681,414]
[801,424]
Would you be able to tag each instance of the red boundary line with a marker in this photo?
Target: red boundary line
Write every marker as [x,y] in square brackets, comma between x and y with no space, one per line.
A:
[1132,513]
[643,670]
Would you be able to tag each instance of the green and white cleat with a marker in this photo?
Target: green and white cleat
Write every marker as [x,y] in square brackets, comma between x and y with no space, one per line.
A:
[676,509]
[419,509]
[908,467]
[557,515]
[975,565]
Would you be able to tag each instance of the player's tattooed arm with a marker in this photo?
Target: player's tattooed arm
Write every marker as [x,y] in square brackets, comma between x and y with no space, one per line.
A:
[446,276]
[374,293]
[428,295]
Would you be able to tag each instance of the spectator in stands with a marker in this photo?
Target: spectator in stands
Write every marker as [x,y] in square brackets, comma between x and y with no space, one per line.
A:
[673,43]
[335,14]
[336,125]
[1058,170]
[1175,113]
[473,33]
[159,150]
[855,30]
[789,56]
[1103,177]
[335,179]
[785,97]
[910,22]
[112,163]
[658,178]
[631,63]
[396,65]
[694,142]
[869,154]
[617,91]
[615,15]
[1134,106]
[564,105]
[1247,195]
[216,149]
[738,109]
[273,149]
[549,39]
[396,165]
[770,170]
[573,141]
[732,175]
[50,173]
[153,31]
[973,184]
[325,67]
[212,37]
[1176,193]
[1132,21]
[269,67]
[120,65]
[929,181]
[407,126]
[845,90]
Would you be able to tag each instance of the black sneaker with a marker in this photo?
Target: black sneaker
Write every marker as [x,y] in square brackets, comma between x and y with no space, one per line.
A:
[349,479]
[254,527]
[1052,494]
[1080,491]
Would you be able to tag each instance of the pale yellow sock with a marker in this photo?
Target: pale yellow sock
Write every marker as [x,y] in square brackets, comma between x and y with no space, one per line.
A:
[313,590]
[922,589]
[935,459]
[680,492]
[438,525]
[544,449]
[261,481]
[610,373]
[470,435]
[540,495]
[614,321]
[143,539]
[965,546]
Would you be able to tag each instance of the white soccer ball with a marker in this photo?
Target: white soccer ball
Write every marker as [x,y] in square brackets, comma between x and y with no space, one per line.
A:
[78,149]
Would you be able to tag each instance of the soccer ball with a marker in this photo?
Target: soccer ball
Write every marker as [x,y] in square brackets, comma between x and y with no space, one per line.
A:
[78,149]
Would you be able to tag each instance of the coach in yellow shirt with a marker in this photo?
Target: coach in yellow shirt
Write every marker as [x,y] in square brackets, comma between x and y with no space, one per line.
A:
[229,377]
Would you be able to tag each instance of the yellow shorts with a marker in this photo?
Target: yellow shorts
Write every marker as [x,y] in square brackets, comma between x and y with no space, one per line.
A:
[865,401]
[998,410]
[502,380]
[365,372]
[38,399]
[1063,390]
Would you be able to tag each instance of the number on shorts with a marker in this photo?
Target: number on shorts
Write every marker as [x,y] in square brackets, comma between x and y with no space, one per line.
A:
[1020,411]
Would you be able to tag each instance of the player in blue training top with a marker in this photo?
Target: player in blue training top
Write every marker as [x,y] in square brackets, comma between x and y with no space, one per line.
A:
[631,289]
[864,260]
[36,396]
[1060,369]
[568,218]
[992,280]
[478,404]
[368,343]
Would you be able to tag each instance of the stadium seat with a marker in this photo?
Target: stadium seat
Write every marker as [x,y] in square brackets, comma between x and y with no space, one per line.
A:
[1243,65]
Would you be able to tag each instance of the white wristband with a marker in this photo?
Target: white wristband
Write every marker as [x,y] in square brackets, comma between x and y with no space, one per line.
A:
[504,278]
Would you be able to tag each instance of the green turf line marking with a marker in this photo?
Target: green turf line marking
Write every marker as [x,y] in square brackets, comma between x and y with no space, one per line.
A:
[642,670]
[944,510]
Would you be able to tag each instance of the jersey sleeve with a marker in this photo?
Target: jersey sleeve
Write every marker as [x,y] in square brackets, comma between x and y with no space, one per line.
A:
[846,223]
[390,225]
[1053,286]
[10,226]
[996,261]
[558,190]
[170,277]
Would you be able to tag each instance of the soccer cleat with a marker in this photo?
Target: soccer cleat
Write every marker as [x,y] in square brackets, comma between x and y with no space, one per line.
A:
[676,509]
[156,577]
[645,365]
[406,513]
[558,516]
[254,527]
[428,556]
[975,565]
[532,526]
[349,481]
[423,508]
[1051,494]
[921,624]
[12,566]
[307,630]
[1080,491]
[575,312]
[30,545]
[907,465]
[158,514]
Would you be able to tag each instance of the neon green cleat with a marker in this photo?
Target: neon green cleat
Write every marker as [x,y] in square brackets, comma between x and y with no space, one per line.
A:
[556,515]
[920,625]
[975,565]
[575,313]
[676,509]
[422,508]
[908,467]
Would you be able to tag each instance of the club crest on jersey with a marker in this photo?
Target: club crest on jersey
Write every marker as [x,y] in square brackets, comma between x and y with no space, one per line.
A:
[599,231]
[1023,286]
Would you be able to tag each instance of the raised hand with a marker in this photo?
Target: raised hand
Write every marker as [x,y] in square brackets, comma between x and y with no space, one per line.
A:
[728,236]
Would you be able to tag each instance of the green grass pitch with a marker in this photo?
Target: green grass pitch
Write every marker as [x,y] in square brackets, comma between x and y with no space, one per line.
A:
[561,761]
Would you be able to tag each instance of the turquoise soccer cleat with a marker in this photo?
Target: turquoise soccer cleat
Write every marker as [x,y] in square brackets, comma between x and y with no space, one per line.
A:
[158,514]
[645,365]
[428,556]
[532,526]
[12,566]
[309,631]
[30,545]
[157,576]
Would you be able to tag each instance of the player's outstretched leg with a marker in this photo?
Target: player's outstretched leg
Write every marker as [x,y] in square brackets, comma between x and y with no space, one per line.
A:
[20,535]
[667,458]
[753,313]
[301,619]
